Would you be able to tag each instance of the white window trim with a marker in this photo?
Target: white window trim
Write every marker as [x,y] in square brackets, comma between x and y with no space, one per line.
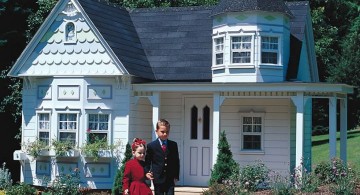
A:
[77,125]
[45,111]
[252,51]
[252,114]
[216,52]
[279,52]
[97,111]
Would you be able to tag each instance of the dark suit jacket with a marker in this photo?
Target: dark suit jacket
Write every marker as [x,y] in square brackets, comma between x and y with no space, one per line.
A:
[164,165]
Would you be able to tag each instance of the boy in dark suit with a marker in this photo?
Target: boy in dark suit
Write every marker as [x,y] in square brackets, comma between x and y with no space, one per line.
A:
[162,160]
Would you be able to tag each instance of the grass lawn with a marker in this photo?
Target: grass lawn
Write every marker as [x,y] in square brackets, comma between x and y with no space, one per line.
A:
[320,149]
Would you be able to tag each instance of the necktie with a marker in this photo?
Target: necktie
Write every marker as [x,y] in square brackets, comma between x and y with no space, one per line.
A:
[163,146]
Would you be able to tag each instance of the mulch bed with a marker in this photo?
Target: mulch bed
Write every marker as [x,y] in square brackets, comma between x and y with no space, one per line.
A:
[322,190]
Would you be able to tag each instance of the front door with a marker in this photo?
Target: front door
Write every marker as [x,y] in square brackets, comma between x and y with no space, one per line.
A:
[197,141]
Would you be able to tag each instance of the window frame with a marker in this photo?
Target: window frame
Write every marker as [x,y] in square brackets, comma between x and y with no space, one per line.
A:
[242,134]
[251,50]
[216,52]
[38,130]
[277,51]
[88,130]
[66,33]
[76,131]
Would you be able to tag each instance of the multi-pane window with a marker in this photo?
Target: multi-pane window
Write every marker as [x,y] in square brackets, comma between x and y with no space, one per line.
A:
[219,50]
[68,127]
[44,127]
[98,127]
[251,133]
[269,50]
[241,49]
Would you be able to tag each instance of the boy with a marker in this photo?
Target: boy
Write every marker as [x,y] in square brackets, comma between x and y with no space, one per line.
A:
[162,160]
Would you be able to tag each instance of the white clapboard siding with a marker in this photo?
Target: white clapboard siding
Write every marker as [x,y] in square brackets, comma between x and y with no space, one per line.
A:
[276,130]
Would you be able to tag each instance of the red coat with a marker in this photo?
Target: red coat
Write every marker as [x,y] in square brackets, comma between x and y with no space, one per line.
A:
[134,178]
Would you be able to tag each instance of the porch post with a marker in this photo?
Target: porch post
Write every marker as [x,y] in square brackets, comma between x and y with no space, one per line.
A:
[343,130]
[155,101]
[332,127]
[299,103]
[216,126]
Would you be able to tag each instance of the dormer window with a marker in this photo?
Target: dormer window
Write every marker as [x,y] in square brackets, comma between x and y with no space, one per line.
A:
[219,50]
[241,49]
[269,50]
[70,35]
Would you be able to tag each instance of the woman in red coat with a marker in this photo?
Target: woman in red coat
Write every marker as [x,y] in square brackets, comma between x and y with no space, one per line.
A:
[134,175]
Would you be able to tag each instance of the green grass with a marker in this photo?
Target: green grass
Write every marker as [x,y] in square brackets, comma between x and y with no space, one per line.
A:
[320,149]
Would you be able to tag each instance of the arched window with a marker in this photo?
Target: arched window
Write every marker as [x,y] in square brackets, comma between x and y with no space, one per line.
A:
[70,32]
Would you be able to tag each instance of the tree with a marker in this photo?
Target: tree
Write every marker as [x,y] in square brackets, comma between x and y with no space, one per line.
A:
[225,165]
[118,185]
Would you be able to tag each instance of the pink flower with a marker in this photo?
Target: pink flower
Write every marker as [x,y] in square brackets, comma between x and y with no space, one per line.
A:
[88,130]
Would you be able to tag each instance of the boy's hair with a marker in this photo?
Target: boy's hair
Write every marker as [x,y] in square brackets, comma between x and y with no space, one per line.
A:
[162,122]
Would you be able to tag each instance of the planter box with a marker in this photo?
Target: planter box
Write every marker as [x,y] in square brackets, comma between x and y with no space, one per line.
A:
[69,153]
[101,154]
[19,155]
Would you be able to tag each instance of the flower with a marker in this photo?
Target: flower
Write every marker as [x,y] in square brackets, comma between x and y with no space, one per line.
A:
[88,130]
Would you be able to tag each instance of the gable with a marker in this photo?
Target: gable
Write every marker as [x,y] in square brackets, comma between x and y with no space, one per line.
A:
[57,51]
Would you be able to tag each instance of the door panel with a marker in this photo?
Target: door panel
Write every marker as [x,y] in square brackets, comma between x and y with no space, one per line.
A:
[197,141]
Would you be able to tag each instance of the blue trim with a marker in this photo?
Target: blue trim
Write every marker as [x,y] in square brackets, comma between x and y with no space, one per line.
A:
[94,175]
[45,173]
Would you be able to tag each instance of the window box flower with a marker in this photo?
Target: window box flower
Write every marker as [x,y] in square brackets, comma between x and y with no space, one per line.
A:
[96,149]
[65,149]
[36,148]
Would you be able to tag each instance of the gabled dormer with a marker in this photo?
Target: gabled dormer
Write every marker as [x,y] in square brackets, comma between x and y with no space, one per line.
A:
[251,41]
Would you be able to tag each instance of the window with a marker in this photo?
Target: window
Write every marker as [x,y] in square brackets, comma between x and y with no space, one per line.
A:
[252,133]
[70,32]
[269,50]
[44,127]
[68,127]
[98,127]
[219,50]
[241,49]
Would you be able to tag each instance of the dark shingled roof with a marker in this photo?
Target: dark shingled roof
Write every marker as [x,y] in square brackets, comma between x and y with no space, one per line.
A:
[118,30]
[251,5]
[175,43]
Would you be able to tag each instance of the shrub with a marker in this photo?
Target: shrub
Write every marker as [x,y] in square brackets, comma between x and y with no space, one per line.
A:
[118,185]
[21,189]
[306,181]
[252,177]
[5,178]
[66,184]
[281,185]
[225,165]
[217,189]
[329,172]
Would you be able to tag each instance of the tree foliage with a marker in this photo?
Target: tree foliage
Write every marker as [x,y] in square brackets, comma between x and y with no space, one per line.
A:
[225,165]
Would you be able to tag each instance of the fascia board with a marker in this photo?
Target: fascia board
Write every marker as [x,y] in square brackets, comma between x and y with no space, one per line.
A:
[246,87]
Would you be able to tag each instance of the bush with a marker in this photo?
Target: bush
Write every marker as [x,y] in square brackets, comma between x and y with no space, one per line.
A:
[225,165]
[5,178]
[21,189]
[329,172]
[253,177]
[306,181]
[66,184]
[281,185]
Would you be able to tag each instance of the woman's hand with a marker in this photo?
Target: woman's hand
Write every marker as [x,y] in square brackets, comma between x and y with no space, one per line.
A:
[126,192]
